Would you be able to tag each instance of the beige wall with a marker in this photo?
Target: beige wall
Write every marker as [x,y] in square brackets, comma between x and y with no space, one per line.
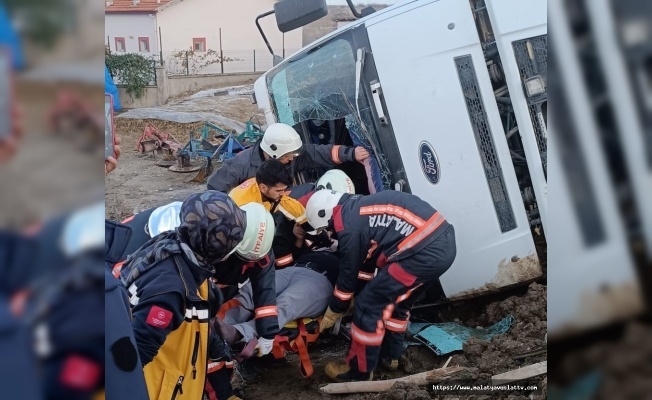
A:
[188,19]
[131,26]
[148,99]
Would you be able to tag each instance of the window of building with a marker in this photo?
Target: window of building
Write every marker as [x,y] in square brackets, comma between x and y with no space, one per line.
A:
[199,44]
[143,44]
[120,45]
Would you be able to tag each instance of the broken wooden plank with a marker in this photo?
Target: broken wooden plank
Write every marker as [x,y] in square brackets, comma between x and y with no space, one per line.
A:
[520,374]
[423,378]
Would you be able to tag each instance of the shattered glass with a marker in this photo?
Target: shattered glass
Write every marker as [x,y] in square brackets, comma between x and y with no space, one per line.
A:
[381,176]
[321,85]
[314,85]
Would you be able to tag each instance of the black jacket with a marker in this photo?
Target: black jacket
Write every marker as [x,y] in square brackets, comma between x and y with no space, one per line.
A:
[244,166]
[123,370]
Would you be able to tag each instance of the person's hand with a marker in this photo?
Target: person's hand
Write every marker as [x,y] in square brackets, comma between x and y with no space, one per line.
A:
[299,232]
[328,320]
[111,163]
[9,145]
[361,154]
[264,346]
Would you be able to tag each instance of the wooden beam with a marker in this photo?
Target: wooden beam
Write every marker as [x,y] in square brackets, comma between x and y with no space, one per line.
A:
[423,378]
[521,373]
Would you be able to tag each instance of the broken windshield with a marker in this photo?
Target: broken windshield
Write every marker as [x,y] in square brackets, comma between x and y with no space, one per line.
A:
[321,85]
[316,85]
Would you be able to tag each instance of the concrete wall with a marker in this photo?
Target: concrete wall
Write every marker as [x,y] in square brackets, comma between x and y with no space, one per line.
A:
[149,99]
[178,85]
[131,26]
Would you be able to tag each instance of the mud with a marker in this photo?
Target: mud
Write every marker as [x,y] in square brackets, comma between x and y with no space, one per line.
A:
[623,363]
[483,359]
[526,334]
[509,272]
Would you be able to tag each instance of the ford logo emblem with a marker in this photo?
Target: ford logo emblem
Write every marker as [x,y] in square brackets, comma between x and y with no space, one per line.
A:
[429,162]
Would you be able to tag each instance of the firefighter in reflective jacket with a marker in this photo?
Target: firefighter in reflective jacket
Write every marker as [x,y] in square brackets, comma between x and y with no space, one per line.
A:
[167,281]
[412,245]
[281,142]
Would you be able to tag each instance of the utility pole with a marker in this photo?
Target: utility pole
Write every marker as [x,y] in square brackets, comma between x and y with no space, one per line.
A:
[160,44]
[221,53]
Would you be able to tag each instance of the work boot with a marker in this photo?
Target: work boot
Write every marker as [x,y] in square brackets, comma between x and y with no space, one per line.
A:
[247,371]
[388,364]
[339,371]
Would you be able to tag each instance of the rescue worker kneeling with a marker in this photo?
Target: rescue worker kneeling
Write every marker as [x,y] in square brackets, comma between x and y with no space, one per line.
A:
[167,281]
[411,243]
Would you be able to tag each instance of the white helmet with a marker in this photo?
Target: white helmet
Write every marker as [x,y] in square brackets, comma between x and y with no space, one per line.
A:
[281,139]
[319,209]
[258,235]
[165,218]
[336,180]
[83,231]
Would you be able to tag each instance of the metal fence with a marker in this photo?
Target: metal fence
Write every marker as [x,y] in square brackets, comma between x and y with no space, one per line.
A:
[186,62]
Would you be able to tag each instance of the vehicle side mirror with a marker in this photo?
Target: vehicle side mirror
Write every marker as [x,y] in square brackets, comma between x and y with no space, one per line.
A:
[293,14]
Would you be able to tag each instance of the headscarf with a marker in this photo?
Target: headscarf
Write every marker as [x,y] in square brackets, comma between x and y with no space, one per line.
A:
[211,226]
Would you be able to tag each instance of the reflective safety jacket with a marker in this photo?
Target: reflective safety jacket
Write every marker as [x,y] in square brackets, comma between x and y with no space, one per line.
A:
[249,192]
[385,227]
[170,320]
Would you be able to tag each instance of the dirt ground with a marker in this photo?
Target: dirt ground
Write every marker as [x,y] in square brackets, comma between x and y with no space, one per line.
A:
[139,183]
[618,356]
[483,358]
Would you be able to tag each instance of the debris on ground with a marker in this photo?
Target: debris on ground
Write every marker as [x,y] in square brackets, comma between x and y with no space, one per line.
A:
[447,337]
[520,374]
[420,379]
